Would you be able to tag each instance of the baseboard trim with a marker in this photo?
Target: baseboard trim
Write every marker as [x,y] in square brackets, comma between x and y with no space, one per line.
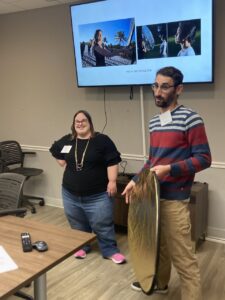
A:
[217,233]
[55,202]
[215,240]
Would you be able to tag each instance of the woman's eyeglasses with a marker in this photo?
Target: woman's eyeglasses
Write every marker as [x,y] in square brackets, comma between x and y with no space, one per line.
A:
[77,122]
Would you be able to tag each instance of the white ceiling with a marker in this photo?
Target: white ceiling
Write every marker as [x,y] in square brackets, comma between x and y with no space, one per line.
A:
[11,6]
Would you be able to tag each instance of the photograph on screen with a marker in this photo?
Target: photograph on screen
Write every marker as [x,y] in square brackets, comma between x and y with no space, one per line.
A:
[174,39]
[110,43]
[184,38]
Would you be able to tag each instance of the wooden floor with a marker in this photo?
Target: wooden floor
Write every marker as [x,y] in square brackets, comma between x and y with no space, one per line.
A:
[95,278]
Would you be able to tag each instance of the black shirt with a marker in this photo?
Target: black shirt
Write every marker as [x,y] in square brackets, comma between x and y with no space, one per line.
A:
[100,59]
[92,179]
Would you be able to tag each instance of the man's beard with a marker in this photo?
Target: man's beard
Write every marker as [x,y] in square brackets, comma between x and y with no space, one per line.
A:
[162,102]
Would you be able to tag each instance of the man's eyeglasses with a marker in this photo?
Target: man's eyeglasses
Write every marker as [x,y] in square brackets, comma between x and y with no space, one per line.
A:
[77,122]
[163,87]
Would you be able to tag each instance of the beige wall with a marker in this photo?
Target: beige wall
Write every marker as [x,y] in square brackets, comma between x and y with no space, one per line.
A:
[38,97]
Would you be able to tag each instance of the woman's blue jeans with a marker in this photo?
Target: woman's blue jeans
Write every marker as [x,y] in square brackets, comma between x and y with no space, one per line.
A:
[92,214]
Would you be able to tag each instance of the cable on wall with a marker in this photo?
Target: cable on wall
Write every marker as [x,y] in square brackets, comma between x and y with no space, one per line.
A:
[123,165]
[131,93]
[106,118]
[142,121]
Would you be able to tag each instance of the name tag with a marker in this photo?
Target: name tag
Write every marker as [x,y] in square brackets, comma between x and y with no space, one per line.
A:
[165,118]
[66,149]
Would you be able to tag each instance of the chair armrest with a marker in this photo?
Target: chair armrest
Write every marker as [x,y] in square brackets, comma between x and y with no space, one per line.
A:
[17,211]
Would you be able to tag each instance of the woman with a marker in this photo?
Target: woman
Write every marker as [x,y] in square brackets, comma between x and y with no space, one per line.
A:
[100,51]
[91,162]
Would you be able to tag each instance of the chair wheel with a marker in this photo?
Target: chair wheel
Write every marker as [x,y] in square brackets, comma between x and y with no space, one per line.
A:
[33,210]
[42,203]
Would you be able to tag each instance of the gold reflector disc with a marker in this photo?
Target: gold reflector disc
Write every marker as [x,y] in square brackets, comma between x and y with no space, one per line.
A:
[143,229]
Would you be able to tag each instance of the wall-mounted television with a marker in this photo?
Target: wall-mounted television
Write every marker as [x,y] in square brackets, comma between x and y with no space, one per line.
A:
[124,42]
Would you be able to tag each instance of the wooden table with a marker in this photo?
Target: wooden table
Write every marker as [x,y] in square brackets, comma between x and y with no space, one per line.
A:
[32,266]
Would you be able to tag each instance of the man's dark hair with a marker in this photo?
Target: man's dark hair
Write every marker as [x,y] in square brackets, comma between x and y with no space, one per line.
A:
[187,31]
[172,72]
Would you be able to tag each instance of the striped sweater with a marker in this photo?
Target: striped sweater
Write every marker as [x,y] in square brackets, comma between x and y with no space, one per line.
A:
[183,144]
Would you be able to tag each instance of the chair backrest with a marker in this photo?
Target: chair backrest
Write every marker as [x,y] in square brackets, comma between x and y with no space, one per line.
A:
[11,186]
[1,164]
[11,153]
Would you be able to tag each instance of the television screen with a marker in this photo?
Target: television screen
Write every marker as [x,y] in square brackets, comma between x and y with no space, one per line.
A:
[124,42]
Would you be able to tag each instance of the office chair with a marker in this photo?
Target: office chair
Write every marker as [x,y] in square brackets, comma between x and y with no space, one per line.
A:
[19,212]
[11,187]
[12,160]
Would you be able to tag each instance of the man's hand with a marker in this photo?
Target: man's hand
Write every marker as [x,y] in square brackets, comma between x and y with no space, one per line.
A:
[127,191]
[161,170]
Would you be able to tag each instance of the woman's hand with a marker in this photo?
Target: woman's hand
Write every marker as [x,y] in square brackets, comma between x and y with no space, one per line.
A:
[112,172]
[61,162]
[127,191]
[111,188]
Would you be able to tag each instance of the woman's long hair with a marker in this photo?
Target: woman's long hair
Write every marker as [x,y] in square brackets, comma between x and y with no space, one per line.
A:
[96,36]
[88,116]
